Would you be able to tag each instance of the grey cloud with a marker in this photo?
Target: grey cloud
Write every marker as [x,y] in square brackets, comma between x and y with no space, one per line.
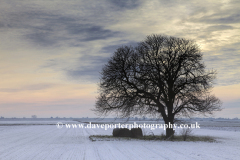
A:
[129,4]
[89,32]
[42,39]
[49,29]
[84,73]
[89,71]
[28,88]
[218,19]
[51,63]
[219,27]
[38,86]
[92,59]
[214,13]
[226,62]
[2,25]
[113,48]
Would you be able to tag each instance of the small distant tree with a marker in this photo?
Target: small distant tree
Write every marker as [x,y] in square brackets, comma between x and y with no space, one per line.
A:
[163,76]
[34,116]
[185,133]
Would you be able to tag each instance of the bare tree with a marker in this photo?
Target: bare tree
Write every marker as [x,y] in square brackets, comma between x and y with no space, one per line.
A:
[34,116]
[185,133]
[162,76]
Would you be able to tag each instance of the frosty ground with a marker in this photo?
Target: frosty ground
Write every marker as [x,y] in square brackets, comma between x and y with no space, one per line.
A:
[43,140]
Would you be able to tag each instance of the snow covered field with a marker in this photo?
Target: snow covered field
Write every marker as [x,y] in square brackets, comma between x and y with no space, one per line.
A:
[44,140]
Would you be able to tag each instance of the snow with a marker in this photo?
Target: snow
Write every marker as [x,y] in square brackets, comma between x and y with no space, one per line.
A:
[46,141]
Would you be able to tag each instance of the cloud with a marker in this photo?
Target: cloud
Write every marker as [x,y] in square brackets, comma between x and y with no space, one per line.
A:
[121,5]
[50,29]
[61,42]
[227,63]
[89,32]
[219,19]
[99,28]
[112,48]
[89,68]
[219,27]
[70,32]
[34,87]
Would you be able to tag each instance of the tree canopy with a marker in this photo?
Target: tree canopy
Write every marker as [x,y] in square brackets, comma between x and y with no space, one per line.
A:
[162,75]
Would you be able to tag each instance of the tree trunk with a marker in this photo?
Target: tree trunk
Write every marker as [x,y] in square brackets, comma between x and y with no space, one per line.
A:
[169,132]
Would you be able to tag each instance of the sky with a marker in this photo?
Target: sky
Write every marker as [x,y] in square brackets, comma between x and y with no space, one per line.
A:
[51,52]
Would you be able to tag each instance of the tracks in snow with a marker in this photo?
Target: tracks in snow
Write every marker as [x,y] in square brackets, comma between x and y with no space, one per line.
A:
[47,142]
